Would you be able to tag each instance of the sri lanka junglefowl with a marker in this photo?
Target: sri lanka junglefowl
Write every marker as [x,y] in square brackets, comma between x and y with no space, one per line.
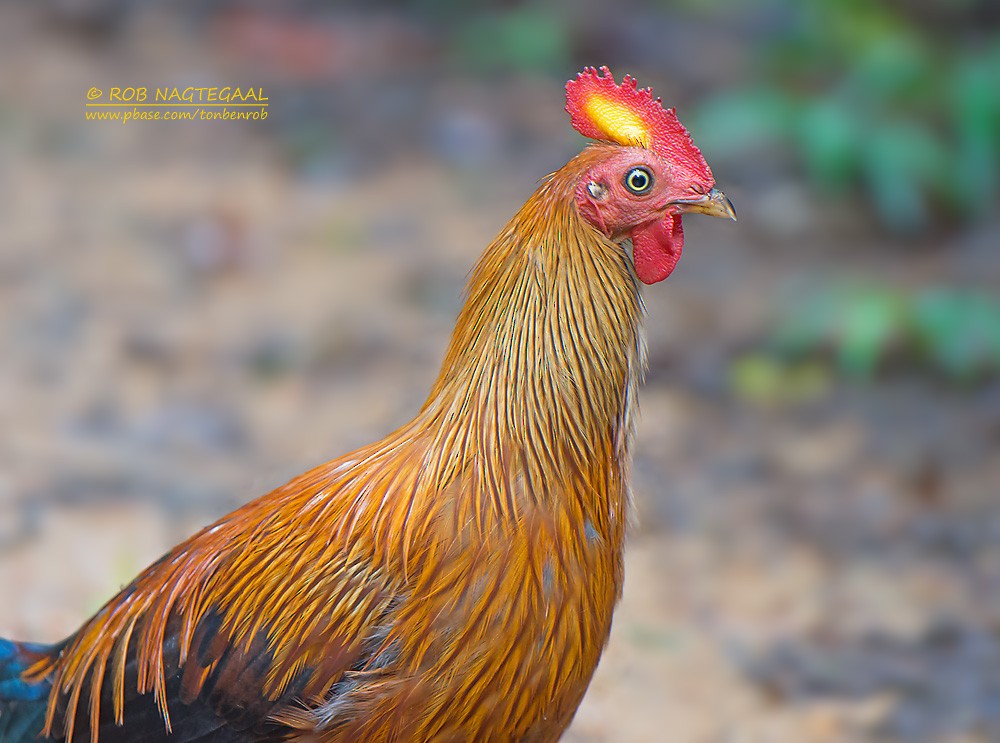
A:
[456,580]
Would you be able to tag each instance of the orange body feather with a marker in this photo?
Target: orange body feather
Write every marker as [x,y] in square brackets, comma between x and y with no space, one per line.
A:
[452,582]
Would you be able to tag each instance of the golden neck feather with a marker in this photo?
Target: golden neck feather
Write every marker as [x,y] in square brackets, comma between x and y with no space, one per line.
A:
[548,343]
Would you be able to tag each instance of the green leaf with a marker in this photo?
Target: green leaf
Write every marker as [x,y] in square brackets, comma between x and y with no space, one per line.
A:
[529,38]
[902,158]
[976,112]
[756,378]
[870,320]
[830,135]
[957,333]
[893,66]
[809,326]
[762,380]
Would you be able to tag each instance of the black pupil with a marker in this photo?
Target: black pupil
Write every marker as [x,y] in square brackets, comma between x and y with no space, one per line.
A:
[638,180]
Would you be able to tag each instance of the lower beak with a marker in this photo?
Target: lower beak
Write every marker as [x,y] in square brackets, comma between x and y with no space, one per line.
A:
[714,204]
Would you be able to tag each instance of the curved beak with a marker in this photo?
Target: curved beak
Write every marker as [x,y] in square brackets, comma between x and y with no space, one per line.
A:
[714,204]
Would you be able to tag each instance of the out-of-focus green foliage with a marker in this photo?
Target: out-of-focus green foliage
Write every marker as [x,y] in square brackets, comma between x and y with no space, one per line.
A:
[491,36]
[857,324]
[860,329]
[531,38]
[764,379]
[870,97]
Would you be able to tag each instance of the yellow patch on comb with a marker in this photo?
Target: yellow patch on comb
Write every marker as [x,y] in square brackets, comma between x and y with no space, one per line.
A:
[627,115]
[617,121]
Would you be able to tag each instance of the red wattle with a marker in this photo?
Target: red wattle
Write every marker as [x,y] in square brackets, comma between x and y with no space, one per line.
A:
[656,248]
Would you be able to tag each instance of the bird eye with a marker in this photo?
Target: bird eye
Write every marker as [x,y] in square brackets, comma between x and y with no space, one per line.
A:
[639,180]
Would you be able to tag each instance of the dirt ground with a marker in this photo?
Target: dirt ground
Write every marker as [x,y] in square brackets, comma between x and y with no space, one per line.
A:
[189,315]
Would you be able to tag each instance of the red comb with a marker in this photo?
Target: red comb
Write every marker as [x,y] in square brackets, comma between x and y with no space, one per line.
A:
[601,109]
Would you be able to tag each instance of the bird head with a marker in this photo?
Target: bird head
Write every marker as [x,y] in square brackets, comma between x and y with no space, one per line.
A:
[646,175]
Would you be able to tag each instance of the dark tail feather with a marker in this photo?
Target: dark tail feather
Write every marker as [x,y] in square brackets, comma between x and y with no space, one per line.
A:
[22,705]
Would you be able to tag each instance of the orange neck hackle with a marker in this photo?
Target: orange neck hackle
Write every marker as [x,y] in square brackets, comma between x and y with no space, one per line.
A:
[549,336]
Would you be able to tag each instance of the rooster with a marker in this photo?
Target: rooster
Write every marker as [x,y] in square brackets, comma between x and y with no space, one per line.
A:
[456,580]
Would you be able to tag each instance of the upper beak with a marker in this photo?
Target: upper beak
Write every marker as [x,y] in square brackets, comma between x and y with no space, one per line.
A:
[714,204]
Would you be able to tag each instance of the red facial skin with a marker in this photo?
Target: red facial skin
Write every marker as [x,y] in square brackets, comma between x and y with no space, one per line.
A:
[650,219]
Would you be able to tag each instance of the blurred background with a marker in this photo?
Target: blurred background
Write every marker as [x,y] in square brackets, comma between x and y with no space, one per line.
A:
[192,312]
